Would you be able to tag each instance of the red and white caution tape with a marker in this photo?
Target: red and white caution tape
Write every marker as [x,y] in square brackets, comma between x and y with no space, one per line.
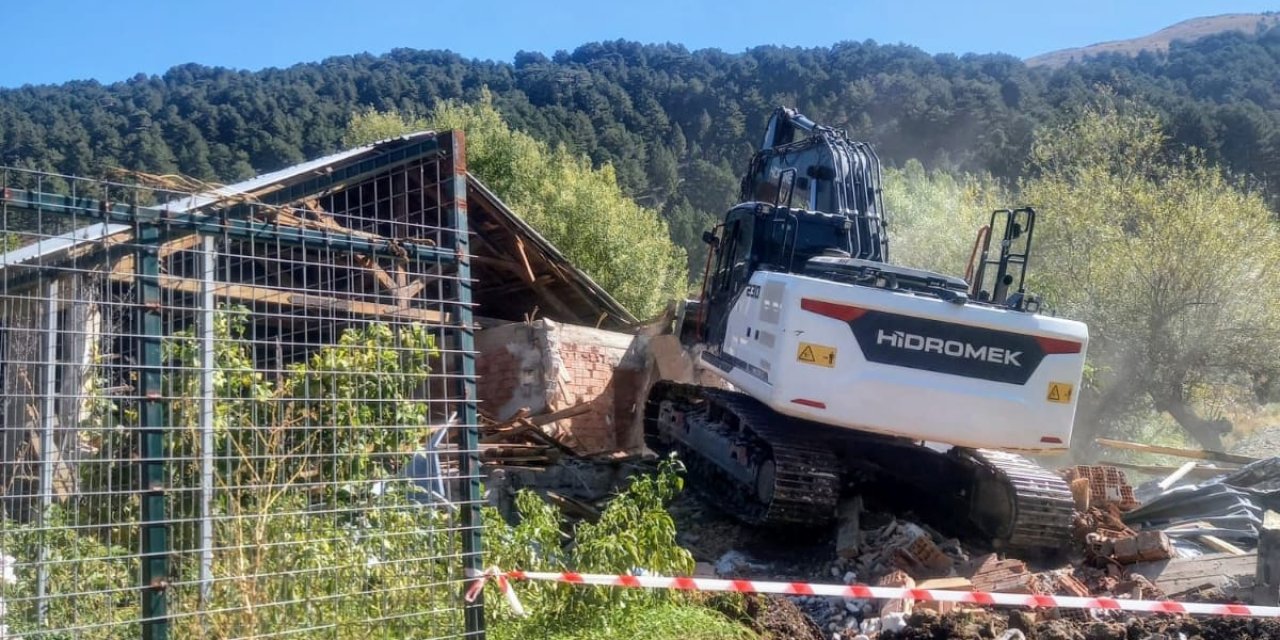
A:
[496,574]
[881,593]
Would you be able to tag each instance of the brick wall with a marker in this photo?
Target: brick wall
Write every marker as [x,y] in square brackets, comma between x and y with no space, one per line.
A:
[546,366]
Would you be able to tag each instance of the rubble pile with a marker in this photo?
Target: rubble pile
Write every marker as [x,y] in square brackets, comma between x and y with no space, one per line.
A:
[1113,555]
[522,440]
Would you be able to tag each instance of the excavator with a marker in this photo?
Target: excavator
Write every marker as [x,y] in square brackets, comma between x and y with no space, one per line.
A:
[840,371]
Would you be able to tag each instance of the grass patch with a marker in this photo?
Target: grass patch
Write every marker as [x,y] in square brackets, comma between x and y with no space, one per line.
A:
[662,621]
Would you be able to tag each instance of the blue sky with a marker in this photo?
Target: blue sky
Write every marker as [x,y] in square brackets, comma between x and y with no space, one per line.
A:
[53,41]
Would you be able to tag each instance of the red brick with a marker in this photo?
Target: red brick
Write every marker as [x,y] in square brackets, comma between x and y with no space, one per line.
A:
[1145,546]
[896,579]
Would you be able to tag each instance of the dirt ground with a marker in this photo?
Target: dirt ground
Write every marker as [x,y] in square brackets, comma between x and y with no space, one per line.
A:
[926,625]
[773,618]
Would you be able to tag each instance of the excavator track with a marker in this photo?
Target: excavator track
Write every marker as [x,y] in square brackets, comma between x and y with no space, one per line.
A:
[1042,502]
[796,484]
[1008,501]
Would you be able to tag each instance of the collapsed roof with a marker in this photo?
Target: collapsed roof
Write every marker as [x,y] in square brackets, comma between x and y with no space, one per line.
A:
[516,272]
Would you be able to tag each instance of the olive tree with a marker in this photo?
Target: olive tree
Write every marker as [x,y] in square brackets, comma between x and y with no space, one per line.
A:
[1174,265]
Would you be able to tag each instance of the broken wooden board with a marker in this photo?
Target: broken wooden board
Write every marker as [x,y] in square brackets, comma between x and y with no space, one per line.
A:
[1182,574]
[1199,471]
[1198,454]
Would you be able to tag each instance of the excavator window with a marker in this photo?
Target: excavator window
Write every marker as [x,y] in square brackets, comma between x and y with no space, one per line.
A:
[736,261]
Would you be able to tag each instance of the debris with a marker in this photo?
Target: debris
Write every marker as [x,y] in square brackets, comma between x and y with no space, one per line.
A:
[893,622]
[735,563]
[1216,456]
[1107,485]
[849,533]
[1174,477]
[1144,546]
[942,584]
[1200,470]
[900,607]
[574,507]
[1080,493]
[1232,513]
[1225,571]
[1266,588]
[990,573]
[518,454]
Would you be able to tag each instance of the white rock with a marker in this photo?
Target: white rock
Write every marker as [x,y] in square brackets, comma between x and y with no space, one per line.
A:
[850,577]
[734,561]
[835,572]
[1013,634]
[895,621]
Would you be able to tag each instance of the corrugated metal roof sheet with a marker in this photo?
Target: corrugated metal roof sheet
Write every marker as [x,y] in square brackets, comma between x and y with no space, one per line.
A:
[49,246]
[298,170]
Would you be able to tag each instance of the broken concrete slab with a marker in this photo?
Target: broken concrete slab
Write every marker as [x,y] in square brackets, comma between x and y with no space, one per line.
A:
[1225,571]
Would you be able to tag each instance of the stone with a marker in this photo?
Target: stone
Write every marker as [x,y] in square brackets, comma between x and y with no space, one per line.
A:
[893,621]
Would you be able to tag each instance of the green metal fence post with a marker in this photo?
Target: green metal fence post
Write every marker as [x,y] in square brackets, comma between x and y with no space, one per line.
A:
[151,419]
[469,445]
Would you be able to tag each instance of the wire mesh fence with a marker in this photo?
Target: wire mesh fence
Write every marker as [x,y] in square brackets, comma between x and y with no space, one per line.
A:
[239,417]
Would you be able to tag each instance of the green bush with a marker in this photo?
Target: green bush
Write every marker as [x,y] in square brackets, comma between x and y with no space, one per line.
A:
[302,545]
[634,533]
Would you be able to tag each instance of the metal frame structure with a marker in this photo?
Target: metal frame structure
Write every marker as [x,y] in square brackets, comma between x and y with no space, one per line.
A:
[380,236]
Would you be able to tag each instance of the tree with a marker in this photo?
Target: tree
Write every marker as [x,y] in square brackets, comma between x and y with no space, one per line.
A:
[934,216]
[1175,267]
[624,247]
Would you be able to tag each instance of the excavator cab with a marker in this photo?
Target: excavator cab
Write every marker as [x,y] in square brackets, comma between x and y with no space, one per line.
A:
[823,172]
[816,196]
[758,235]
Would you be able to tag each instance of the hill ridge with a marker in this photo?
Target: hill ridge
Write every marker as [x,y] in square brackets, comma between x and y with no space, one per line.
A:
[1189,30]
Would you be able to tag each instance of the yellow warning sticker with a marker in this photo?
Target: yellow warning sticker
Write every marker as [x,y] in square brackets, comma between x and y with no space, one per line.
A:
[817,354]
[1060,392]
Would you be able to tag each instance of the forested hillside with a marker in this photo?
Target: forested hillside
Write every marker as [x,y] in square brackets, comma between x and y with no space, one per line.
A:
[676,125]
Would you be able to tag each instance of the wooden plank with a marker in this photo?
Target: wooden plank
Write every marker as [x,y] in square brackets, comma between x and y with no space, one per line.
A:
[1218,544]
[290,299]
[528,274]
[568,412]
[125,264]
[1199,471]
[1216,456]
